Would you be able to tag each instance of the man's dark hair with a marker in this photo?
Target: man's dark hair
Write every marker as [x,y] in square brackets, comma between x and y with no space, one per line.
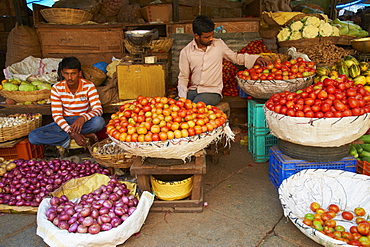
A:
[68,63]
[203,24]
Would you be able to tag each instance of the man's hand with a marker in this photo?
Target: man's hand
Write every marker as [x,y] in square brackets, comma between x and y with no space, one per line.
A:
[76,127]
[79,138]
[261,61]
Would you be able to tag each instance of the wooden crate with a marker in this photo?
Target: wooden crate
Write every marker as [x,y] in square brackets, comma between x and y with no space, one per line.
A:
[140,79]
[197,167]
[74,39]
[234,25]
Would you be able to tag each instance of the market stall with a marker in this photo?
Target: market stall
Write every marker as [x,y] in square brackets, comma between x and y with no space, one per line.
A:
[303,111]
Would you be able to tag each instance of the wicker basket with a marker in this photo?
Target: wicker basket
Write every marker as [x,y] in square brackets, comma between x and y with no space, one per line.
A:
[65,15]
[22,96]
[265,89]
[18,131]
[180,148]
[93,74]
[303,43]
[119,160]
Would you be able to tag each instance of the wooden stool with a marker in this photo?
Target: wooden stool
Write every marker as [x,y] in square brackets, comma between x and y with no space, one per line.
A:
[196,167]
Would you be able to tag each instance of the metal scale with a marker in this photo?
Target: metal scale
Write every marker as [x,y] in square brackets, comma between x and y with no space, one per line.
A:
[140,39]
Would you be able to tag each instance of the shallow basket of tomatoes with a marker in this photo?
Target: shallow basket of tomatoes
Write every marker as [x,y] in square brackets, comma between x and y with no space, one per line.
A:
[264,89]
[179,148]
[347,190]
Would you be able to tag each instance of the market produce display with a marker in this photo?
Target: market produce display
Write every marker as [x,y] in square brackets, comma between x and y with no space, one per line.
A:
[150,119]
[330,98]
[14,84]
[349,28]
[18,119]
[349,66]
[326,195]
[229,70]
[105,208]
[307,28]
[277,76]
[21,92]
[329,221]
[279,70]
[325,53]
[361,151]
[29,181]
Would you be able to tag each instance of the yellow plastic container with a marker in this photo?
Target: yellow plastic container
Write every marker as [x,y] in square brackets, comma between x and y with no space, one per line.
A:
[172,190]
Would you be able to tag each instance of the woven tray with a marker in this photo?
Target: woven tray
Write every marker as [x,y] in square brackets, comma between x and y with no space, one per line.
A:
[14,132]
[21,96]
[119,160]
[180,148]
[265,89]
[93,74]
[65,15]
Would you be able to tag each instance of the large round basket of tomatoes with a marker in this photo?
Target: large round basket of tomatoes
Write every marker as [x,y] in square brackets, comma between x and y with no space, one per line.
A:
[162,127]
[324,206]
[331,113]
[278,76]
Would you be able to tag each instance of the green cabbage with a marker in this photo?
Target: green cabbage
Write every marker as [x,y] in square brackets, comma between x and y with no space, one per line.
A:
[10,86]
[27,87]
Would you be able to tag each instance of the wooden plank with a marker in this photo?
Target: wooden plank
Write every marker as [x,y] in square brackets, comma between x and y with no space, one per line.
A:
[179,206]
[135,80]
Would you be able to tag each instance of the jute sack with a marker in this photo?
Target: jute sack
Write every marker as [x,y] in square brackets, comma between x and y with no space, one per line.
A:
[22,42]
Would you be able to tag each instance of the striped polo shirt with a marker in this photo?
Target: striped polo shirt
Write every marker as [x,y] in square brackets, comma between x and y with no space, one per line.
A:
[85,102]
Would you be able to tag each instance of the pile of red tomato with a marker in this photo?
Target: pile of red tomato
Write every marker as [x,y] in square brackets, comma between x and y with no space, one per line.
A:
[279,70]
[327,222]
[330,98]
[255,47]
[158,118]
[229,70]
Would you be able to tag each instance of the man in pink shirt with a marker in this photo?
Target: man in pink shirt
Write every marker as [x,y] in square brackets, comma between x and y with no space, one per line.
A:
[200,64]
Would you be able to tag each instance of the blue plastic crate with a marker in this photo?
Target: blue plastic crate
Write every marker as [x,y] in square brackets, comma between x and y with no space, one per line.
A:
[282,166]
[260,144]
[242,93]
[256,115]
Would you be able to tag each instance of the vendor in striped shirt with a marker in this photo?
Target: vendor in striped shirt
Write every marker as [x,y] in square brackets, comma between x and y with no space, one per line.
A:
[76,109]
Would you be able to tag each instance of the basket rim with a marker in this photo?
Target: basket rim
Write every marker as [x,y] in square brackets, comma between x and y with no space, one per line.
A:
[51,15]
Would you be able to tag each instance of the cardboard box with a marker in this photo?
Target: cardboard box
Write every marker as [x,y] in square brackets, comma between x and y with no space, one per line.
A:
[140,79]
[157,13]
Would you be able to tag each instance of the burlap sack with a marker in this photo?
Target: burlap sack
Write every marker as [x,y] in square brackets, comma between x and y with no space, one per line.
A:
[129,14]
[22,42]
[109,92]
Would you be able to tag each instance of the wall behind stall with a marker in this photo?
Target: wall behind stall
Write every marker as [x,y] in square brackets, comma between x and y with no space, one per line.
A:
[235,41]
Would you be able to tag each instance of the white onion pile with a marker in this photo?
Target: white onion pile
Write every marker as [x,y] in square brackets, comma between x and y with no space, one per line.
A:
[30,181]
[105,208]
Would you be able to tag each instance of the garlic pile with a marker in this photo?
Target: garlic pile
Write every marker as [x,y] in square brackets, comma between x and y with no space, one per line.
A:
[17,119]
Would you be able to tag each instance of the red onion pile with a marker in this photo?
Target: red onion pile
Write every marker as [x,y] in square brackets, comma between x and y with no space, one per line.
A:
[30,181]
[105,208]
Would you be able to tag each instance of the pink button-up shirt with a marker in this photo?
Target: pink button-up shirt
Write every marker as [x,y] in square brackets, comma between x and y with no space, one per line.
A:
[204,68]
